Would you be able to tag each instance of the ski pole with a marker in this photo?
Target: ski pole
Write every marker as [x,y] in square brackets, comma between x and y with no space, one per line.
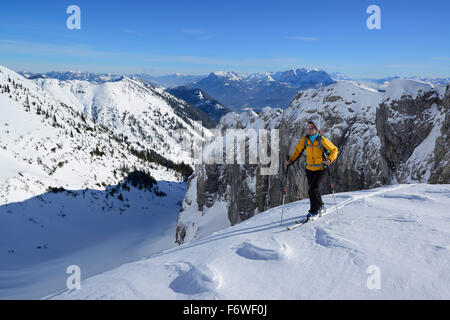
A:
[332,189]
[284,195]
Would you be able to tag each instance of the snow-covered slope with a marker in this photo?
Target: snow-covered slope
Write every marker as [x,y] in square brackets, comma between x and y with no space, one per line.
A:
[387,243]
[94,229]
[45,139]
[147,116]
[73,192]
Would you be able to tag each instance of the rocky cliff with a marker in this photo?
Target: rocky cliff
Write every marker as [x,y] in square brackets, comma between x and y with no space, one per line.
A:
[397,136]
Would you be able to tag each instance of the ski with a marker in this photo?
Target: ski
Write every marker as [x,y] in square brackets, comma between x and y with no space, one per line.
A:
[297,224]
[302,222]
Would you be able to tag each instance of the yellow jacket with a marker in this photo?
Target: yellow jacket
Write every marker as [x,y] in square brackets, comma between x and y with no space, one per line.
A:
[314,153]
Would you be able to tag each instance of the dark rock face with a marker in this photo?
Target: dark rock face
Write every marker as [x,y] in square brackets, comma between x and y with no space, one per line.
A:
[400,138]
[380,142]
[441,167]
[180,233]
[242,198]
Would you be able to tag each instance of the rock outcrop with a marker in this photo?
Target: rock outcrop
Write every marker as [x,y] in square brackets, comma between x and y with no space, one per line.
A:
[398,136]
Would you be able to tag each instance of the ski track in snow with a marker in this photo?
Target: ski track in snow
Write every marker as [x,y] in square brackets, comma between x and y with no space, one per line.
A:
[360,197]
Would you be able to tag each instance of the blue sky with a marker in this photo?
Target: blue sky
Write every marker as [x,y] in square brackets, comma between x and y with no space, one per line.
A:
[197,37]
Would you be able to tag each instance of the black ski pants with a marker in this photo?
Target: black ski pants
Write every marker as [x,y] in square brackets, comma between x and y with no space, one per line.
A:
[315,178]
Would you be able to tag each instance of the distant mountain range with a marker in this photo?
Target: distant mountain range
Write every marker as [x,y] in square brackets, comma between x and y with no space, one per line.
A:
[73,75]
[259,90]
[236,91]
[171,80]
[382,83]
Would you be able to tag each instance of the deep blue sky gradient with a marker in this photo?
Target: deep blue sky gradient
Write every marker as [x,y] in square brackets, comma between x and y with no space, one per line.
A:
[198,37]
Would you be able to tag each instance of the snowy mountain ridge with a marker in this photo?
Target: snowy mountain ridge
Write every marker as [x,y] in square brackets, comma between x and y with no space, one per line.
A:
[44,139]
[382,83]
[147,116]
[62,176]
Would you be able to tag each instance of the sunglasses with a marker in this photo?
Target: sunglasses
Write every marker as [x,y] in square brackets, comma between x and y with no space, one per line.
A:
[310,128]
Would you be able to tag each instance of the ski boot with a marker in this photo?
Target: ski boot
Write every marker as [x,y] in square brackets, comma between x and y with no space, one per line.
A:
[311,216]
[322,210]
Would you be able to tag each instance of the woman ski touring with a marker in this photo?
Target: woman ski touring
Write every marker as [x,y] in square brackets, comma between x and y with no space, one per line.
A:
[320,153]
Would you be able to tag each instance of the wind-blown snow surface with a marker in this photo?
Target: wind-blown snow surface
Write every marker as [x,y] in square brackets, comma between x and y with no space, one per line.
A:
[403,230]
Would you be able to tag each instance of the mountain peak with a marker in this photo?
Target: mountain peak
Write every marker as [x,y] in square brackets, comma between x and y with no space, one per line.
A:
[407,87]
[227,74]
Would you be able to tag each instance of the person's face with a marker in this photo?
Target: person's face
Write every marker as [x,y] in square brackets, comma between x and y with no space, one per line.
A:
[311,129]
